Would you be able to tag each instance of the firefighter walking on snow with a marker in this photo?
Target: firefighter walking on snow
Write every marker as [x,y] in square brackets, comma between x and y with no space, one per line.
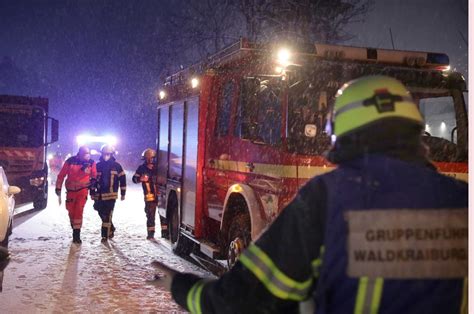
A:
[80,173]
[382,233]
[110,177]
[146,175]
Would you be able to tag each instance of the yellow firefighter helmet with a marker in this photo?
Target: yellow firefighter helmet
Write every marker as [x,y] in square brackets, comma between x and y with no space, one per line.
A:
[369,99]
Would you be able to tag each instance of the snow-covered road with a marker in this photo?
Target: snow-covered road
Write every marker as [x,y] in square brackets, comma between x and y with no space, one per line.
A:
[49,274]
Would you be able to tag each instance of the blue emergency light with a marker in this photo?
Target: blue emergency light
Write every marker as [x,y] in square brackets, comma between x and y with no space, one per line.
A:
[437,58]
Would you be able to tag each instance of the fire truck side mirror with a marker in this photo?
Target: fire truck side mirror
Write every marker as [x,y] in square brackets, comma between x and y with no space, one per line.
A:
[54,131]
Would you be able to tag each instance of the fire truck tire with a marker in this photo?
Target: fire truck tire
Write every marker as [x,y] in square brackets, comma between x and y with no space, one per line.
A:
[183,247]
[4,243]
[238,237]
[179,243]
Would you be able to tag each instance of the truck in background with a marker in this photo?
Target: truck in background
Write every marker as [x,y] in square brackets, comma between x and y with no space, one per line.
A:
[26,132]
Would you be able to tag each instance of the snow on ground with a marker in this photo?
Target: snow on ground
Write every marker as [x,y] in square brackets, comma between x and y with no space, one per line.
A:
[49,274]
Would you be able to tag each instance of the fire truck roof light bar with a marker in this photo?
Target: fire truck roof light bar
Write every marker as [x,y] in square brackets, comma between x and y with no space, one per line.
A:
[418,59]
[384,56]
[437,58]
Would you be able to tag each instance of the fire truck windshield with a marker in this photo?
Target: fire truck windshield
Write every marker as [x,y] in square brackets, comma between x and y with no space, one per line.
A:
[307,113]
[21,128]
[441,124]
[259,115]
[310,93]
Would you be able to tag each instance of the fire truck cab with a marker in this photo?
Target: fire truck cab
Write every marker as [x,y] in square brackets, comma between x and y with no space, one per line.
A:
[240,133]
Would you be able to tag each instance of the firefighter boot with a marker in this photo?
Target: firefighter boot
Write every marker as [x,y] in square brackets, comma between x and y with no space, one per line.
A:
[104,232]
[112,231]
[151,235]
[164,231]
[76,236]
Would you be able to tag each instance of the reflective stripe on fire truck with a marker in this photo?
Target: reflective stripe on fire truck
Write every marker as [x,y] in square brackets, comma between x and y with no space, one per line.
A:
[279,284]
[194,297]
[369,294]
[272,170]
[458,175]
[288,171]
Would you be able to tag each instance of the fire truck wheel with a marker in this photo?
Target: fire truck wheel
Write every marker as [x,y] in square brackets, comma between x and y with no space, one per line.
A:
[180,244]
[238,238]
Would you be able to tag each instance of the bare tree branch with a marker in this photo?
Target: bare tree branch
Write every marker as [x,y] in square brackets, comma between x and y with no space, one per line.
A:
[193,29]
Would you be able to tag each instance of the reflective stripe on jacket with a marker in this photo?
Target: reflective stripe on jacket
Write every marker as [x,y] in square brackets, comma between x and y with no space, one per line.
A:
[110,177]
[149,188]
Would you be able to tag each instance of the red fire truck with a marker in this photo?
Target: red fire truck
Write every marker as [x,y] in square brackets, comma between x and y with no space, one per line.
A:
[239,134]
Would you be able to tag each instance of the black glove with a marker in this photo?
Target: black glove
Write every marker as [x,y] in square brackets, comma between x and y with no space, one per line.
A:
[58,192]
[93,183]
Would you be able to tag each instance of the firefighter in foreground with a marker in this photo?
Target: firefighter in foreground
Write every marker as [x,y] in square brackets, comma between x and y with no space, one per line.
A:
[110,177]
[383,233]
[81,173]
[145,175]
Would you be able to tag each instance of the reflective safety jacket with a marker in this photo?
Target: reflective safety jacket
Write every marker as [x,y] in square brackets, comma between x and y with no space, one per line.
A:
[376,235]
[110,176]
[149,188]
[79,174]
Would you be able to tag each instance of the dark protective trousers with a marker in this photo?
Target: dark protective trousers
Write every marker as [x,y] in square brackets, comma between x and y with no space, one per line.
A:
[105,210]
[150,211]
[75,202]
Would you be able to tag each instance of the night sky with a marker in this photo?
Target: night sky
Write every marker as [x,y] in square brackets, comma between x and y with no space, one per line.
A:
[426,25]
[97,61]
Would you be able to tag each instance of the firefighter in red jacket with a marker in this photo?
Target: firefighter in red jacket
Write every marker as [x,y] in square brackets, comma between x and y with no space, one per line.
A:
[81,172]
